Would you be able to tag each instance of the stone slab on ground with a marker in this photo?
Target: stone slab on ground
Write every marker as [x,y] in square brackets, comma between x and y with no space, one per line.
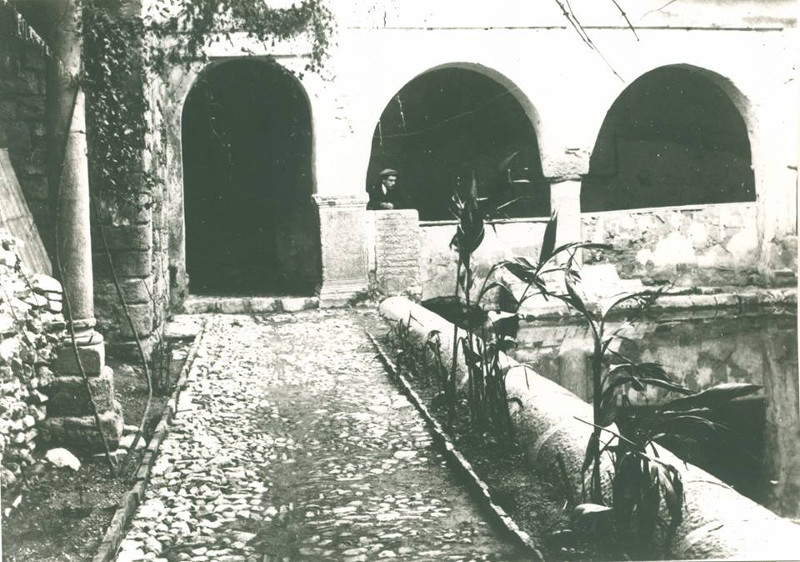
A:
[183,327]
[295,444]
[247,305]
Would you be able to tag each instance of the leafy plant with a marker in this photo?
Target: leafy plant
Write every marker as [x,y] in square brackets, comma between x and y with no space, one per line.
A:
[626,521]
[489,334]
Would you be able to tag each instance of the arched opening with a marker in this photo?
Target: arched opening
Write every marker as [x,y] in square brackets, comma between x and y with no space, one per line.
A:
[251,224]
[449,123]
[673,137]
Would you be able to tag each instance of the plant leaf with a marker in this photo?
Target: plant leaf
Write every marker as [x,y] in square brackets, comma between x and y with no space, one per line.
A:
[504,163]
[506,344]
[592,450]
[625,485]
[549,240]
[714,396]
[672,486]
[674,387]
[522,271]
[575,300]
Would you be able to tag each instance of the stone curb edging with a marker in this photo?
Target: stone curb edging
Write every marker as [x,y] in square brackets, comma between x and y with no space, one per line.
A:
[475,483]
[130,501]
[682,299]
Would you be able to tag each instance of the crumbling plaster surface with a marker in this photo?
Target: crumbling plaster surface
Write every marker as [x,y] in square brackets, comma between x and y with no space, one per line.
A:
[705,245]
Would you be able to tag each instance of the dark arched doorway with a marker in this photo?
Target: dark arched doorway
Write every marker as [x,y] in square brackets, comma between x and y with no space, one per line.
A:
[251,224]
[673,137]
[448,123]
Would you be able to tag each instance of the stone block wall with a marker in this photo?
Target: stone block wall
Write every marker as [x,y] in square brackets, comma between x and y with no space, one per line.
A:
[22,119]
[131,244]
[128,253]
[31,326]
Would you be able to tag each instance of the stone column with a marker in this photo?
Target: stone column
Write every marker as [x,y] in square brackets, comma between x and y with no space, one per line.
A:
[343,232]
[71,420]
[565,199]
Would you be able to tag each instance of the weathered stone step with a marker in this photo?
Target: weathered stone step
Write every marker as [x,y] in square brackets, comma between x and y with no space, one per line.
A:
[248,305]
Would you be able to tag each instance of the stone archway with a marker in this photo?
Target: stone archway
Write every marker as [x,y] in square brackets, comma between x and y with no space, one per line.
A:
[454,120]
[674,137]
[251,224]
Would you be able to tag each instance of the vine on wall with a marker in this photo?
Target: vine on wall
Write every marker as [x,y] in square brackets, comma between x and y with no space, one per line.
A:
[117,107]
[121,51]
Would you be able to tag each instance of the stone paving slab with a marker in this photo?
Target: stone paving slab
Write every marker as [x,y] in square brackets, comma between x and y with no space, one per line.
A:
[183,327]
[290,442]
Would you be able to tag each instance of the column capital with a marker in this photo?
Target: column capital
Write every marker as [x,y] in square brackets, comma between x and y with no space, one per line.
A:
[570,165]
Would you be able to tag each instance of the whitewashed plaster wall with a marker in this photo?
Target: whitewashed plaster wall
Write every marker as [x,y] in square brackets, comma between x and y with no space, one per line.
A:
[746,48]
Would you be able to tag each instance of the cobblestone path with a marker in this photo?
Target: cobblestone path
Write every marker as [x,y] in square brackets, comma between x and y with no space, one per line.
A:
[290,442]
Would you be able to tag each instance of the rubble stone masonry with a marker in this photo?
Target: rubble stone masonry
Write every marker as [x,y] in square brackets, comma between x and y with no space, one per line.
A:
[31,325]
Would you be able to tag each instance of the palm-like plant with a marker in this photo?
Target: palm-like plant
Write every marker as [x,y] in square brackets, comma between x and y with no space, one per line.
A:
[486,393]
[641,480]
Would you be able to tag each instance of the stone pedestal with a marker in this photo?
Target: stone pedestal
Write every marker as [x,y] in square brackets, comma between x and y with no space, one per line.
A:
[397,252]
[80,432]
[344,248]
[70,417]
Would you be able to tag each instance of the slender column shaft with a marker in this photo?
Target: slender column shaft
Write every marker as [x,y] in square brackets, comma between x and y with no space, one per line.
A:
[565,199]
[69,169]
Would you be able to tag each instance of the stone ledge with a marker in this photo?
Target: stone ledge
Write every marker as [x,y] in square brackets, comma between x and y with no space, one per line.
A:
[340,201]
[248,305]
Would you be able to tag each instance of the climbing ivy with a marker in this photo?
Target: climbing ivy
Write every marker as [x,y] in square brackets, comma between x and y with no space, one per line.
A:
[120,52]
[116,103]
[196,22]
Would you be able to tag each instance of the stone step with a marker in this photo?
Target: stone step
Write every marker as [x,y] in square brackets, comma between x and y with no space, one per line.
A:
[248,305]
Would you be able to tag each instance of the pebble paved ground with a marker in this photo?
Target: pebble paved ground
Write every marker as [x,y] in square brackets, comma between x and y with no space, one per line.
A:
[291,442]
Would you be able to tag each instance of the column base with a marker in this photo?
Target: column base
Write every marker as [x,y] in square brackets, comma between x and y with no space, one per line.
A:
[70,421]
[80,432]
[68,395]
[91,351]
